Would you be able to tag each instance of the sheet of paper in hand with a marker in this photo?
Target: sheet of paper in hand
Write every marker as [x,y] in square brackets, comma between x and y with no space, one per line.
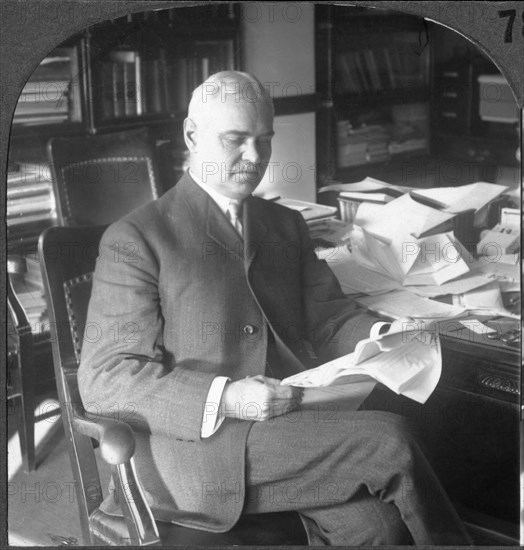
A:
[409,362]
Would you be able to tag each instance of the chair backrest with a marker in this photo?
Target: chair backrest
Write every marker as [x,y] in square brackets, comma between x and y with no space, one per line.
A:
[67,260]
[98,179]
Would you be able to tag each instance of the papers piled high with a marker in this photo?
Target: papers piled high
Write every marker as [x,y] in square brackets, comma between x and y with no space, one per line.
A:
[402,303]
[355,278]
[409,362]
[367,185]
[409,261]
[454,200]
[310,211]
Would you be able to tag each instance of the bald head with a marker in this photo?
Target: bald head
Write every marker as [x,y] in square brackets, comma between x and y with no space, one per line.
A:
[228,132]
[228,87]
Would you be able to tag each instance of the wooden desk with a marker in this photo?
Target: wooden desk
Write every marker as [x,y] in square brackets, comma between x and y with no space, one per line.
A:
[470,429]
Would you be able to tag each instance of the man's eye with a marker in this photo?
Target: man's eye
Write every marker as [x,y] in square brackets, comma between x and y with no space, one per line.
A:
[234,141]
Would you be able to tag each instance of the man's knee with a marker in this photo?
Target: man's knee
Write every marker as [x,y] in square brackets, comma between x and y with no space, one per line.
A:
[379,523]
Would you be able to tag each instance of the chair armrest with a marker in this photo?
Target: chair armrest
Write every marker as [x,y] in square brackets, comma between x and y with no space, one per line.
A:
[116,439]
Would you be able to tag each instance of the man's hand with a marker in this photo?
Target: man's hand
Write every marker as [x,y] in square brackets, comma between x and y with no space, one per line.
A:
[258,398]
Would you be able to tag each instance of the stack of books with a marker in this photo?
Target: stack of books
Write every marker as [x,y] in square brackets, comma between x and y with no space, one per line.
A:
[405,138]
[362,145]
[51,95]
[30,195]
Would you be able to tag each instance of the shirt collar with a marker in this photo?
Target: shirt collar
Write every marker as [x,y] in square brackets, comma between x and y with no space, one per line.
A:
[221,200]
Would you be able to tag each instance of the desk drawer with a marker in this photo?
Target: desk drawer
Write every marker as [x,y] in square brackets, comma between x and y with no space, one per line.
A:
[487,371]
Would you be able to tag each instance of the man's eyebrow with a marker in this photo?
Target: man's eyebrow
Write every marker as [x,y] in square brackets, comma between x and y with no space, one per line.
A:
[242,134]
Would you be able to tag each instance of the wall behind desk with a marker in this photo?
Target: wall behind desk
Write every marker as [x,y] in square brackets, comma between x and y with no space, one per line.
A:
[279,49]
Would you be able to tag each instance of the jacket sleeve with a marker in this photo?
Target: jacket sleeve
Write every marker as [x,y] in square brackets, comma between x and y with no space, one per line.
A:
[334,322]
[124,369]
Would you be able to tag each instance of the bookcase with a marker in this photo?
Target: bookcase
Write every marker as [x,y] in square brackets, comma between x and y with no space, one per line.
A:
[130,72]
[403,98]
[373,72]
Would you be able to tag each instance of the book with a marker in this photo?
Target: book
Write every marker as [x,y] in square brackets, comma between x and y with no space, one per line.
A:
[152,86]
[407,361]
[124,81]
[26,219]
[27,190]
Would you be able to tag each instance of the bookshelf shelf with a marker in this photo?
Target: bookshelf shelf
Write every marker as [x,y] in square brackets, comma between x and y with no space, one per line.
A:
[359,100]
[373,78]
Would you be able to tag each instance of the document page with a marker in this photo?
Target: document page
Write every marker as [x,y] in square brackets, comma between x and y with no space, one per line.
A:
[401,303]
[353,277]
[408,216]
[366,185]
[466,197]
[409,367]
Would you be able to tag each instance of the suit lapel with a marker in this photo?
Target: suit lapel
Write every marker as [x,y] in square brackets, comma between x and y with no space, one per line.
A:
[255,230]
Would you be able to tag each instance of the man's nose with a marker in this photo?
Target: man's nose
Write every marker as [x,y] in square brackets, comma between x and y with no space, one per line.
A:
[251,152]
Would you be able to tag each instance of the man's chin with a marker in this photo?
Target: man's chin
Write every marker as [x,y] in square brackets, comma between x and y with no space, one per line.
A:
[246,180]
[241,188]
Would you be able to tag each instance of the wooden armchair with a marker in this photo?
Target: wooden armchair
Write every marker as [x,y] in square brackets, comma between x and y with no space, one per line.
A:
[20,381]
[98,179]
[68,258]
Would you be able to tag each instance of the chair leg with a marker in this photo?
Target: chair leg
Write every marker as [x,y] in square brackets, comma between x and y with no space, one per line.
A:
[27,424]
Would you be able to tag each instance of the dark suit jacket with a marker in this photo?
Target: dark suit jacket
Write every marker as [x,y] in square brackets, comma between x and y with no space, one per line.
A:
[174,291]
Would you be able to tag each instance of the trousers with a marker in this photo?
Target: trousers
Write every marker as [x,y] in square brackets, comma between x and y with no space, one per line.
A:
[356,478]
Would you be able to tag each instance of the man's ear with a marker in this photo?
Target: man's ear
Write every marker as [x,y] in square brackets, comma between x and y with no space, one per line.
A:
[190,134]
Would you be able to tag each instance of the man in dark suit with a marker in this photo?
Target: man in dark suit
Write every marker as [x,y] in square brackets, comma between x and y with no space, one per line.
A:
[205,299]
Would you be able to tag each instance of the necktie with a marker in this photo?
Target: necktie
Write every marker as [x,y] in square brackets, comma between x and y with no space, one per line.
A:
[233,212]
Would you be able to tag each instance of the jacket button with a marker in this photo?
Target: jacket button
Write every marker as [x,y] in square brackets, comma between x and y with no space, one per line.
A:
[249,329]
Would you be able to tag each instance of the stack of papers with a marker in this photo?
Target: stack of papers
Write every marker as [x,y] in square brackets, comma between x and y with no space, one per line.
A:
[355,278]
[429,261]
[475,196]
[406,216]
[367,185]
[309,210]
[402,303]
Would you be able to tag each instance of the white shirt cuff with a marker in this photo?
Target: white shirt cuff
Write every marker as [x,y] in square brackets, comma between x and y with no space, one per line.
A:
[376,329]
[213,412]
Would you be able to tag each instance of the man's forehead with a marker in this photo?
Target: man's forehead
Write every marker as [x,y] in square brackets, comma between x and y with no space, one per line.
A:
[240,117]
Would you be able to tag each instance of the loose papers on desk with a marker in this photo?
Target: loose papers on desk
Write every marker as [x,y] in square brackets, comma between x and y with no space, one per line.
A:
[406,216]
[475,196]
[409,362]
[429,261]
[402,303]
[486,300]
[309,210]
[355,278]
[367,185]
[504,269]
